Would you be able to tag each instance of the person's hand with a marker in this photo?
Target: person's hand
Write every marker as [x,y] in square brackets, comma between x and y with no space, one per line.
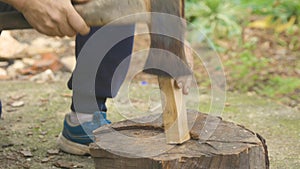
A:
[54,17]
[185,82]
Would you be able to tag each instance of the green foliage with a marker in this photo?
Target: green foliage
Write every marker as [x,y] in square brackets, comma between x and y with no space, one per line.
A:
[250,73]
[225,19]
[278,86]
[279,9]
[246,70]
[214,18]
[257,6]
[286,9]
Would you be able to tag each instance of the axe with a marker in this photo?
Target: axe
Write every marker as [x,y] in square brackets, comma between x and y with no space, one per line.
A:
[101,12]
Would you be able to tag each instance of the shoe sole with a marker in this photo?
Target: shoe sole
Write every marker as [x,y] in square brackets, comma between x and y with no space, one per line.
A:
[72,147]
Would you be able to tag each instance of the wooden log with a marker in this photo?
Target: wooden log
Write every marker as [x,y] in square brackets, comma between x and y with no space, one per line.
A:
[230,146]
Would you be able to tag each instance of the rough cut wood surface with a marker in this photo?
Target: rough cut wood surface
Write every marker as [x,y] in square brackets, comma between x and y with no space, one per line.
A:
[230,146]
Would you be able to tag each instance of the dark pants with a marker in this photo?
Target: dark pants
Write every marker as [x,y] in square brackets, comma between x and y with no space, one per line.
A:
[112,59]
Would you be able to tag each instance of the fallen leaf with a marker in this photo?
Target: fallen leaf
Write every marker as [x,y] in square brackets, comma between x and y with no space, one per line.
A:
[7,145]
[68,95]
[26,165]
[26,153]
[45,160]
[17,104]
[10,157]
[43,100]
[29,134]
[53,152]
[44,133]
[17,97]
[10,110]
[67,164]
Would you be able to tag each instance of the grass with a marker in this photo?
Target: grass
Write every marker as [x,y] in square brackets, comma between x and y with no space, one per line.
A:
[249,67]
[43,111]
[45,107]
[280,86]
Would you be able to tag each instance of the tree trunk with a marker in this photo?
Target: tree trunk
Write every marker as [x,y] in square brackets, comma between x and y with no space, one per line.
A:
[229,146]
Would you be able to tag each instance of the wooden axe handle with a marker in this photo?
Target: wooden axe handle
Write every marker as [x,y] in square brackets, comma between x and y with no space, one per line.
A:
[95,13]
[13,20]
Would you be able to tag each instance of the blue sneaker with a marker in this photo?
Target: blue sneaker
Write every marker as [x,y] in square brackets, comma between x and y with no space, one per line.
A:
[75,139]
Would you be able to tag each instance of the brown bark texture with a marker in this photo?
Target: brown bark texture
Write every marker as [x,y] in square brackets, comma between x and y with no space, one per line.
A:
[230,146]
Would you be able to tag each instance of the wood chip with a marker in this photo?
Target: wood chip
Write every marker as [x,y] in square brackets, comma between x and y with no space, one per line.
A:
[18,97]
[53,152]
[67,164]
[11,110]
[26,153]
[17,104]
[69,95]
[45,160]
[29,134]
[44,133]
[7,145]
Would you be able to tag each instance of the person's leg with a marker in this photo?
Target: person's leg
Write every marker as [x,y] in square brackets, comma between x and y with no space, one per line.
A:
[103,90]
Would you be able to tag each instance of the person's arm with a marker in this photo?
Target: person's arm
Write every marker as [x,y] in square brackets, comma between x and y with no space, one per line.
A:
[52,17]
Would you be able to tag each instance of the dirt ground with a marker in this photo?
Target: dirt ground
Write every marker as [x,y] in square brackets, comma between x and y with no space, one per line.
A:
[28,132]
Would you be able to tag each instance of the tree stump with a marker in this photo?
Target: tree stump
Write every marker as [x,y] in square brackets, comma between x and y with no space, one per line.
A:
[214,144]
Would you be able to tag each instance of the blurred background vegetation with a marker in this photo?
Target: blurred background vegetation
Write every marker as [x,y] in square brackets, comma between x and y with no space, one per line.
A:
[258,43]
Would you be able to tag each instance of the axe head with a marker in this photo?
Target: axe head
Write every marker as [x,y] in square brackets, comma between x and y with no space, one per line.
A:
[167,55]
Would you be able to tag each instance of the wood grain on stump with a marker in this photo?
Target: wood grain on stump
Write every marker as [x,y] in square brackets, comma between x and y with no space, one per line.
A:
[226,146]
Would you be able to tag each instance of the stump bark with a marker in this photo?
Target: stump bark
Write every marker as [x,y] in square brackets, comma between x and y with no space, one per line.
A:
[214,144]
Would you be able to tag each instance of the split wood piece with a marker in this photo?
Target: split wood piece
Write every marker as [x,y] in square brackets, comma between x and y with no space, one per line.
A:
[167,59]
[230,146]
[174,112]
